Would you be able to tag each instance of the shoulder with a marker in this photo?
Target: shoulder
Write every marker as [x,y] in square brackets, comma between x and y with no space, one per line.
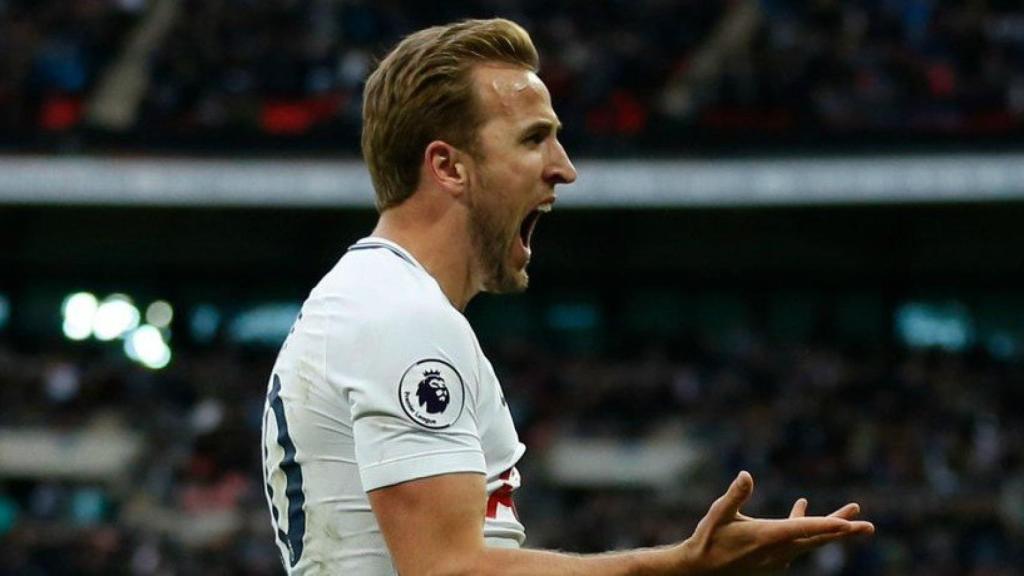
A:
[390,307]
[368,274]
[423,323]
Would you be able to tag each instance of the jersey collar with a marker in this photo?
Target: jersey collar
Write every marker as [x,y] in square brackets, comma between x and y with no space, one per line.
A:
[378,243]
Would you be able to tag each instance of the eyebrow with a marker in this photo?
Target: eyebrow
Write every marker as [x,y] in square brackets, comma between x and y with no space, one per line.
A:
[546,125]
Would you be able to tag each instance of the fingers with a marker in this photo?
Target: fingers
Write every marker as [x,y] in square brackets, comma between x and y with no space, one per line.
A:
[853,529]
[799,509]
[848,512]
[804,545]
[732,537]
[791,529]
[862,527]
[727,506]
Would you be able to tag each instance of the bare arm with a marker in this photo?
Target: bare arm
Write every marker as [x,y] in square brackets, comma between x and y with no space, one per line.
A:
[434,527]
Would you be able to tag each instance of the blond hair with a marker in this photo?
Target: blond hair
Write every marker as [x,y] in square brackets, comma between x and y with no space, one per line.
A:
[423,91]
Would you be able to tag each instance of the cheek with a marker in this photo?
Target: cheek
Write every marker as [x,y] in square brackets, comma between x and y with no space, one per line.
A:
[520,163]
[495,198]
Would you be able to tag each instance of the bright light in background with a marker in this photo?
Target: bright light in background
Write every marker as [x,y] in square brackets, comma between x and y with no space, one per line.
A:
[115,316]
[159,314]
[79,311]
[205,321]
[146,345]
[266,324]
[943,324]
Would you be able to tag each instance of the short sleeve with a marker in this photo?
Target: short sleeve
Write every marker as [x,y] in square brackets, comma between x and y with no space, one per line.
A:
[413,399]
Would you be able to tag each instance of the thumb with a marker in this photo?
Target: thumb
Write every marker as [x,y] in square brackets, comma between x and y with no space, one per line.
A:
[728,504]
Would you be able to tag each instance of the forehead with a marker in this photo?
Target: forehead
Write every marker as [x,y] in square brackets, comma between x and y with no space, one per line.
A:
[511,93]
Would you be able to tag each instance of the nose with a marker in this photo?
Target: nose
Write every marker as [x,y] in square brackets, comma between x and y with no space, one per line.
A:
[559,169]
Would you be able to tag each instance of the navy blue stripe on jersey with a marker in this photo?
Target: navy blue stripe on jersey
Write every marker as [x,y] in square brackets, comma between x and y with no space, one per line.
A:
[294,495]
[376,245]
[270,493]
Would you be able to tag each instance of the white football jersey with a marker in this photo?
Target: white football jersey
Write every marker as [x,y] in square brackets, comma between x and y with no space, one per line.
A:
[380,381]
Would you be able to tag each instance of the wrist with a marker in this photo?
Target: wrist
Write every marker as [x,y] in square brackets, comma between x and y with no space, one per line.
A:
[674,560]
[686,559]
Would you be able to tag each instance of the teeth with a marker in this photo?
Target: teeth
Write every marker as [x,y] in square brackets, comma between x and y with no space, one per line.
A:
[545,208]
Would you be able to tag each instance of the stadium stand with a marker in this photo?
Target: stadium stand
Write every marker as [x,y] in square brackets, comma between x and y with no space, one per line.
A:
[627,78]
[51,55]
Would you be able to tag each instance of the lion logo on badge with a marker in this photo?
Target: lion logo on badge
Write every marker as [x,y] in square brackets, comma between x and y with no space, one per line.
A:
[432,392]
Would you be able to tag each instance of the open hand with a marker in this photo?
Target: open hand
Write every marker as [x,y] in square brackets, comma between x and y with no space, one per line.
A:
[727,542]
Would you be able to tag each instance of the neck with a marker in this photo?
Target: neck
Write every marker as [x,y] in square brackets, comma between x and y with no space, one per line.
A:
[438,238]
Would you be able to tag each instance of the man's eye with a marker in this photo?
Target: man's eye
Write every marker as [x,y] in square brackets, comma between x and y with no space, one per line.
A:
[536,138]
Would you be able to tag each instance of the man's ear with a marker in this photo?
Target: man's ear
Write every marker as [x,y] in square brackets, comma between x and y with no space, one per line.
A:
[445,166]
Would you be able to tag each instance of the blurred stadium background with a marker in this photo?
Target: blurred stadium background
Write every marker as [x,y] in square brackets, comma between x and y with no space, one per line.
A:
[795,247]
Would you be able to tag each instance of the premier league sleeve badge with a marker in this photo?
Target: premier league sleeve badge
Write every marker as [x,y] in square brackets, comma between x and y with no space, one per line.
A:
[432,394]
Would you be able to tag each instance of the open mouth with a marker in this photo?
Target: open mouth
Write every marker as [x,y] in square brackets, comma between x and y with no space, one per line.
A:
[526,228]
[530,223]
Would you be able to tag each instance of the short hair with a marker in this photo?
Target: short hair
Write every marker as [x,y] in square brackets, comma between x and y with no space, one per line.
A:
[423,91]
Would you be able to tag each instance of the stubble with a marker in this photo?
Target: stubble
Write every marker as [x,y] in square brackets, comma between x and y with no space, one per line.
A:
[492,241]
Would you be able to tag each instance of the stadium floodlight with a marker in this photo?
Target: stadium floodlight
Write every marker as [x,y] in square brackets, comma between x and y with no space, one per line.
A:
[129,346]
[159,314]
[146,345]
[79,311]
[114,317]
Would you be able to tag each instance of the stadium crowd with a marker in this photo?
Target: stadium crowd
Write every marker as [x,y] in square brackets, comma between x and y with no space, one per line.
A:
[626,77]
[52,53]
[930,442]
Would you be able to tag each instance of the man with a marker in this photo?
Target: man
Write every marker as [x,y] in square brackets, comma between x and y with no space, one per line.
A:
[387,443]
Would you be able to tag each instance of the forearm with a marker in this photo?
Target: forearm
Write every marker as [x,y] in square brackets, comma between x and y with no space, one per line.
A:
[432,529]
[524,562]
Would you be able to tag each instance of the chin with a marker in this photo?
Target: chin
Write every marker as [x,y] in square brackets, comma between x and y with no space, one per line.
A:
[521,284]
[508,282]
